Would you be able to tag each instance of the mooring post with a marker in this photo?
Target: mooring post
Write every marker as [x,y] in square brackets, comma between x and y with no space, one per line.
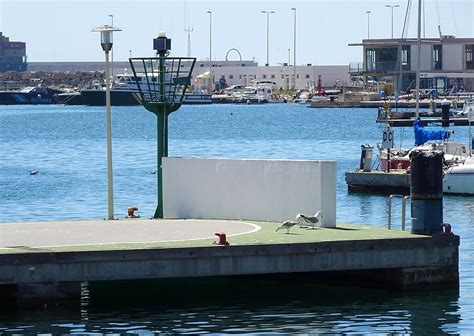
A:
[426,191]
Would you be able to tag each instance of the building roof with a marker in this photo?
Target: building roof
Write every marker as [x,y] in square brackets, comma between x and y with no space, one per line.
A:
[427,40]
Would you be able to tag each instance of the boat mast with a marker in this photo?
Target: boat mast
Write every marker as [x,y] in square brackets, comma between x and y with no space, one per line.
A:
[418,52]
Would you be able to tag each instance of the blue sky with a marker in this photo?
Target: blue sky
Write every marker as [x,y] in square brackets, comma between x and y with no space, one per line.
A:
[60,30]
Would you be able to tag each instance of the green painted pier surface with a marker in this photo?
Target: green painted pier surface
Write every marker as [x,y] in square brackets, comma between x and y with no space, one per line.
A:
[71,252]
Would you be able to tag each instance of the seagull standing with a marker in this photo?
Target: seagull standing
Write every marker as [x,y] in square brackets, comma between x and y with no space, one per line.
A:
[287,225]
[313,220]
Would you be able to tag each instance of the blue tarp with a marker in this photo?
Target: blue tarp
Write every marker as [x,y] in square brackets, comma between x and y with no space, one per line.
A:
[422,135]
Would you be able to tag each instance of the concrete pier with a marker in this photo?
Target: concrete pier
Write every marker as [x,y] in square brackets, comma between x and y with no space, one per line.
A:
[37,272]
[377,181]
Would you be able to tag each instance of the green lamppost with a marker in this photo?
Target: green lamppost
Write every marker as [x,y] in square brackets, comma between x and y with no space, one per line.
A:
[162,82]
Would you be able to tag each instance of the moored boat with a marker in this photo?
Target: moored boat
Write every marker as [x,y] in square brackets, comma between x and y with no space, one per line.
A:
[29,95]
[123,92]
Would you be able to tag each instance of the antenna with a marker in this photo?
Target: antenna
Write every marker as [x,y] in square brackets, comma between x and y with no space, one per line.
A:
[189,30]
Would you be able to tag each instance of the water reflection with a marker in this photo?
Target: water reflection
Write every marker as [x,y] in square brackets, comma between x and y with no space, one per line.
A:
[244,305]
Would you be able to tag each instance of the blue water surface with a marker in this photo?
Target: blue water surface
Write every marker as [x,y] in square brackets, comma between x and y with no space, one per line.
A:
[67,146]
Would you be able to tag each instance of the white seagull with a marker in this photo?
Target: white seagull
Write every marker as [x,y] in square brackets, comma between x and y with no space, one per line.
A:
[287,225]
[312,220]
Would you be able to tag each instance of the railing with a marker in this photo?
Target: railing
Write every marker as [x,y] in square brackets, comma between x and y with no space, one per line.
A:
[377,67]
[404,201]
[383,66]
[356,67]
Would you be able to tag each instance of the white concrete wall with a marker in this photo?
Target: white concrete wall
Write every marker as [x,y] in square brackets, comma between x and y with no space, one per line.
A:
[425,59]
[266,190]
[453,57]
[426,63]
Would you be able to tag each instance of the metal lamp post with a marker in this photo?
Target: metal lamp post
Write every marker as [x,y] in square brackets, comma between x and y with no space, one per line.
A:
[368,24]
[268,33]
[294,48]
[106,42]
[112,51]
[392,7]
[210,50]
[162,82]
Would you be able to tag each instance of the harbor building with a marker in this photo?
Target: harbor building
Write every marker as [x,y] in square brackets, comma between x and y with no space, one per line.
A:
[12,55]
[229,73]
[446,63]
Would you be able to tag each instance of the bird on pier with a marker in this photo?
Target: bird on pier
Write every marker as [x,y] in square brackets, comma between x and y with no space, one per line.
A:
[312,220]
[287,225]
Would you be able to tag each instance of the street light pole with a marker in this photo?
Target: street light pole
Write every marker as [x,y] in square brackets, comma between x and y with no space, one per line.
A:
[112,51]
[368,24]
[294,48]
[268,33]
[392,7]
[106,42]
[210,50]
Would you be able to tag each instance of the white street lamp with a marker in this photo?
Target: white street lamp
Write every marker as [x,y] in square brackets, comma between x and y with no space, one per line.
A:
[210,50]
[368,24]
[268,32]
[294,48]
[392,7]
[106,42]
[112,52]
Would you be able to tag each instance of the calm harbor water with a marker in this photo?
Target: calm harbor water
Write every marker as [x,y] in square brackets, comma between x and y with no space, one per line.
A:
[66,144]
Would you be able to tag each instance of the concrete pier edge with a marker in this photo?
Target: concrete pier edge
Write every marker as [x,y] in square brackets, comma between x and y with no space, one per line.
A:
[403,263]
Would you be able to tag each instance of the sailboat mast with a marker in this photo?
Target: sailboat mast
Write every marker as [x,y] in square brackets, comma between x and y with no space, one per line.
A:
[418,52]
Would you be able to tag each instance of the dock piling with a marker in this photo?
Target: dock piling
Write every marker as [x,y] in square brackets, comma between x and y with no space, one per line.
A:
[426,192]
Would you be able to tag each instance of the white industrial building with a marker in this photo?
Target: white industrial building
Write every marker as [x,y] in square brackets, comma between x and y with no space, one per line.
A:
[284,76]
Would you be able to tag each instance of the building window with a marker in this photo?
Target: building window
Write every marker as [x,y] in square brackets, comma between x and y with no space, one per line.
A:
[307,76]
[264,76]
[468,49]
[298,76]
[406,57]
[282,76]
[273,76]
[231,76]
[437,57]
[240,76]
[370,56]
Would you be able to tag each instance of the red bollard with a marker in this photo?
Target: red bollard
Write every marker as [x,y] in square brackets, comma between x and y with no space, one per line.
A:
[447,228]
[131,212]
[222,239]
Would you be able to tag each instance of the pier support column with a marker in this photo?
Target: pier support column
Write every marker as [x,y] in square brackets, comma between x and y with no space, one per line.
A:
[51,294]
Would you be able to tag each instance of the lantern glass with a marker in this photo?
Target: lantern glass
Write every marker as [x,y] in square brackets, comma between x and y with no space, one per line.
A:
[106,36]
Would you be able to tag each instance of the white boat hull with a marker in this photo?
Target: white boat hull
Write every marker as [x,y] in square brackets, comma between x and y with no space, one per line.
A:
[460,179]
